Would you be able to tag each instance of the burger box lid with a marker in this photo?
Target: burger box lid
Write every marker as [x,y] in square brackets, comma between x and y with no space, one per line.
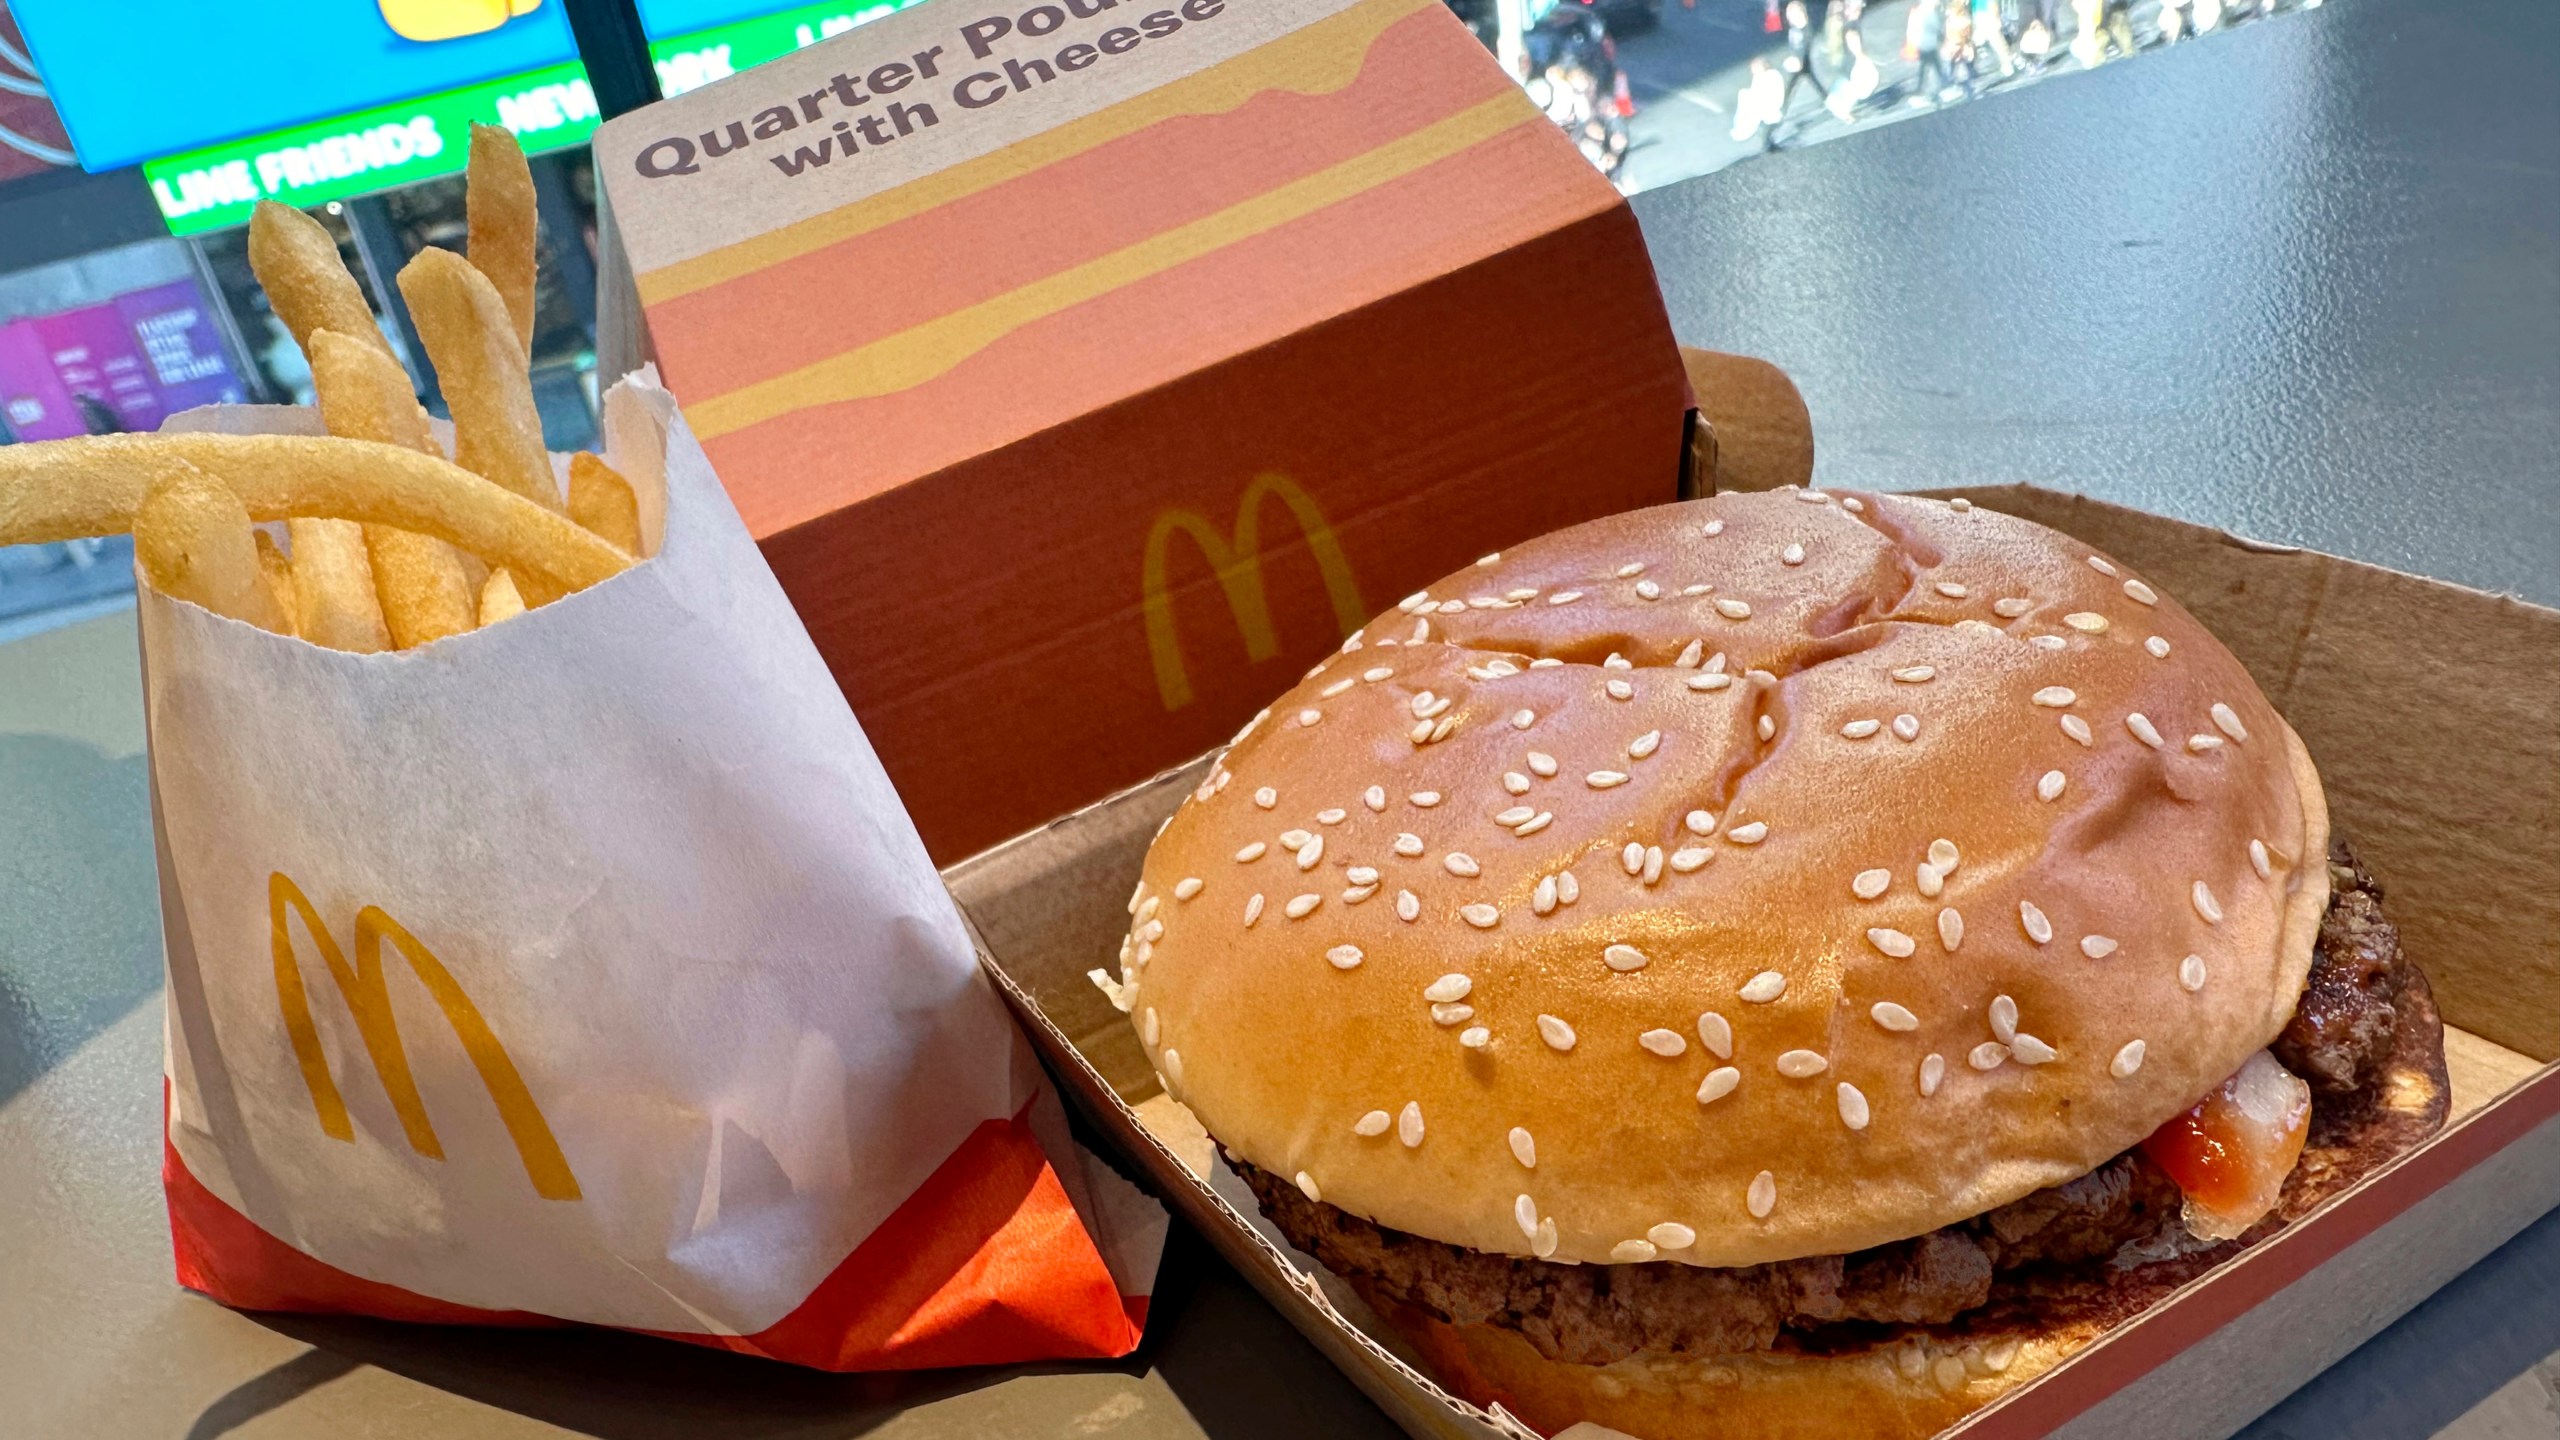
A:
[1088,368]
[2430,711]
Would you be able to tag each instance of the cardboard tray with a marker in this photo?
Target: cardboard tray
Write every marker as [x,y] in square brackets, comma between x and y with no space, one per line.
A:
[2430,710]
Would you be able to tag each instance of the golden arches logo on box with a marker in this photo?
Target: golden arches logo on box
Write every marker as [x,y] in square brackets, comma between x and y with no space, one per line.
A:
[368,999]
[1238,566]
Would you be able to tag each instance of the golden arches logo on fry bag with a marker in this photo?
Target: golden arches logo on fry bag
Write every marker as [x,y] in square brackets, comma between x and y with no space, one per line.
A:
[368,999]
[1238,566]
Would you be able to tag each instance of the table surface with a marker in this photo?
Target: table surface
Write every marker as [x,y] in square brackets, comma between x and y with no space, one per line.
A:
[2299,281]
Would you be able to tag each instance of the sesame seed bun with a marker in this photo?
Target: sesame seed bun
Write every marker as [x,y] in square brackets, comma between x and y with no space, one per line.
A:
[1842,783]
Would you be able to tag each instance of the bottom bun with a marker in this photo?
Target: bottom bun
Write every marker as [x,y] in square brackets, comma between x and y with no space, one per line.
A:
[1911,1383]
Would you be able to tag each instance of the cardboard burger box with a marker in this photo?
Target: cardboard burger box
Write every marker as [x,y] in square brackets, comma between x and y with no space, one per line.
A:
[1087,368]
[2428,708]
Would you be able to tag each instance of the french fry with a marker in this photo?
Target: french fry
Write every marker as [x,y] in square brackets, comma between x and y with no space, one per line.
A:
[499,600]
[191,538]
[91,485]
[601,500]
[497,433]
[498,201]
[333,595]
[279,577]
[307,284]
[421,582]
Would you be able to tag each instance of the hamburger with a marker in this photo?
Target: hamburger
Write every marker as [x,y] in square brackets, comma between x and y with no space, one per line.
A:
[1782,964]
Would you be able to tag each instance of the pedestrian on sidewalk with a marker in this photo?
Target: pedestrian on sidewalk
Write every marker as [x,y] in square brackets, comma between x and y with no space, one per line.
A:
[1924,39]
[1757,106]
[1799,62]
[1862,77]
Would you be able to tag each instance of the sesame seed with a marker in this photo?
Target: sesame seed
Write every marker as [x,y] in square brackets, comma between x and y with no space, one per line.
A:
[2028,1050]
[1751,834]
[1173,1067]
[1544,1244]
[1762,1197]
[2140,593]
[1564,597]
[1373,676]
[1617,661]
[1337,687]
[2206,905]
[1373,1124]
[1892,942]
[1906,727]
[2128,1060]
[2158,646]
[1929,878]
[1792,555]
[1710,680]
[1732,609]
[2004,1018]
[1620,690]
[2198,744]
[1375,797]
[1665,1043]
[2039,929]
[2087,622]
[1353,895]
[1301,906]
[1671,1235]
[1632,858]
[1700,589]
[2143,730]
[1951,589]
[1987,1056]
[2012,607]
[2050,787]
[1453,607]
[1189,886]
[1568,889]
[2101,566]
[1525,592]
[1861,729]
[1652,864]
[1307,1187]
[1408,845]
[1524,1212]
[1266,797]
[1448,988]
[1714,528]
[2258,860]
[1951,929]
[1427,706]
[1461,864]
[1699,822]
[1408,906]
[1645,744]
[1293,838]
[2078,729]
[1151,931]
[1690,858]
[1853,1106]
[1446,1014]
[1409,1124]
[1516,815]
[1768,727]
[1764,987]
[1716,1034]
[1631,570]
[1474,1037]
[1420,734]
[1311,852]
[1944,857]
[1916,674]
[1631,1252]
[1152,1029]
[1605,779]
[1524,1148]
[1251,853]
[2055,696]
[1947,1371]
[1813,497]
[1309,716]
[1523,719]
[1493,559]
[1960,505]
[1424,799]
[1414,601]
[1853,504]
[1331,817]
[1480,915]
[1933,1070]
[1542,765]
[1646,589]
[1341,957]
[1893,1017]
[1999,1355]
[1542,901]
[1802,1064]
[1557,1034]
[1688,659]
[2226,720]
[2191,973]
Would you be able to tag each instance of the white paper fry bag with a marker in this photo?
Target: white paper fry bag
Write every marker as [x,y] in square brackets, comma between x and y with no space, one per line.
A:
[587,968]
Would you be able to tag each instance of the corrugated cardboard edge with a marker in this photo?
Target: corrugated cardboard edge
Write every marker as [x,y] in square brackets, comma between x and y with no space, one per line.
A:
[2286,1309]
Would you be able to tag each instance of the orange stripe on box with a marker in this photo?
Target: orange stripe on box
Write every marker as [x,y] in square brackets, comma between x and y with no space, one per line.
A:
[1317,58]
[920,354]
[903,274]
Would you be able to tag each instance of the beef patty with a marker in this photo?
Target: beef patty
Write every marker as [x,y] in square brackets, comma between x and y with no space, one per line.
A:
[2106,1242]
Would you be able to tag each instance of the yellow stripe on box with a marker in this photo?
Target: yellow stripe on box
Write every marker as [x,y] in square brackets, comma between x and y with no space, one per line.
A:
[1317,60]
[923,352]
